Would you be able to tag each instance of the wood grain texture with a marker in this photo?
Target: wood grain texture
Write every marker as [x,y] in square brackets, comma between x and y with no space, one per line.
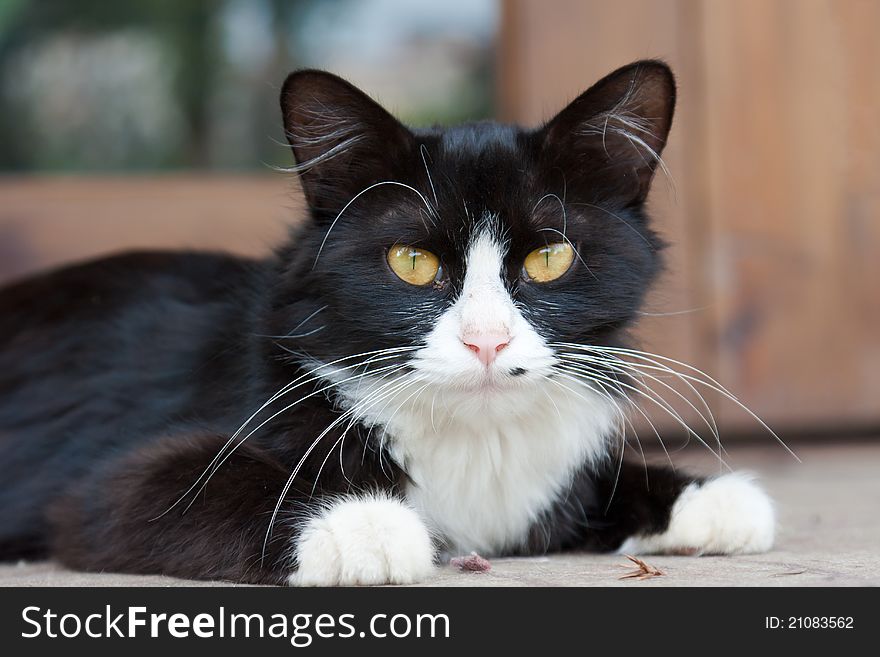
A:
[47,222]
[792,103]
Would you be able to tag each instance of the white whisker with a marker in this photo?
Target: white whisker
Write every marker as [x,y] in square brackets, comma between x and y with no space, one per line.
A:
[424,152]
[336,422]
[304,379]
[627,368]
[654,360]
[356,197]
[662,404]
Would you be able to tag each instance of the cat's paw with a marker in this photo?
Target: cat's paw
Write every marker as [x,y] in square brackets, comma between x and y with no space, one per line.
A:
[726,515]
[373,539]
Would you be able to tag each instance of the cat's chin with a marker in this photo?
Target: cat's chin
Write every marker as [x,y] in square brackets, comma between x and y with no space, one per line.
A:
[493,385]
[489,395]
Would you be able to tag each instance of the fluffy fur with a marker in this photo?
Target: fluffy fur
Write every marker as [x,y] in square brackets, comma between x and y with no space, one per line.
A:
[726,515]
[369,539]
[313,419]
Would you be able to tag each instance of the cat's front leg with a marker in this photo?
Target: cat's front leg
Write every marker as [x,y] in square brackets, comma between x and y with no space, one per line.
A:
[639,509]
[133,516]
[368,539]
[728,514]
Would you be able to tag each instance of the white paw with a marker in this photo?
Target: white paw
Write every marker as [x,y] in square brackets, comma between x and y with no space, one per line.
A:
[372,539]
[726,515]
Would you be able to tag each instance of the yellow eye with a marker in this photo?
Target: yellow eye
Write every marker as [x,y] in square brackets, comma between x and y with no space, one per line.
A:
[412,264]
[549,262]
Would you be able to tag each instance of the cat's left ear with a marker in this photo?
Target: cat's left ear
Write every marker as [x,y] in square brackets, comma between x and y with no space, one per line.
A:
[342,140]
[610,138]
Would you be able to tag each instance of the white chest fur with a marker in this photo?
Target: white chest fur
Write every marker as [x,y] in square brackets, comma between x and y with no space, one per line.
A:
[481,477]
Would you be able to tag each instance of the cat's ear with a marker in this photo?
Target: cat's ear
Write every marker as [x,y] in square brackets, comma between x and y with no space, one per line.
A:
[611,137]
[342,140]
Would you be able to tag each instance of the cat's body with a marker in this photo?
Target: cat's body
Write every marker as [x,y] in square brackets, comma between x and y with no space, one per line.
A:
[394,418]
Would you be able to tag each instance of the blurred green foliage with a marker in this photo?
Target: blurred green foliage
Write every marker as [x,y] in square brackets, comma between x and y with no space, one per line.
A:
[169,84]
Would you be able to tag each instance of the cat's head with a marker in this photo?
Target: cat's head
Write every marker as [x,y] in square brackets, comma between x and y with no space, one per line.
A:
[473,250]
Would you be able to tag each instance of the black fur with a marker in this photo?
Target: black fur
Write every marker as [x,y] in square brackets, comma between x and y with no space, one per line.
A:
[121,379]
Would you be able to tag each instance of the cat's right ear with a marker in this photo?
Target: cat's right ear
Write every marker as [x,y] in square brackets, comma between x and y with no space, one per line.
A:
[609,139]
[342,140]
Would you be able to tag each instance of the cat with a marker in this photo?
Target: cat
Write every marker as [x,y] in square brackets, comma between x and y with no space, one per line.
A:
[436,362]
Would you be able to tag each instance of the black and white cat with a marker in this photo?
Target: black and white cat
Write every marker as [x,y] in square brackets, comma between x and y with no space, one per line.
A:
[436,359]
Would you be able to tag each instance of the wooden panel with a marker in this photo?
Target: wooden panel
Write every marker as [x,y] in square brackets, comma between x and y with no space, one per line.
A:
[793,110]
[46,222]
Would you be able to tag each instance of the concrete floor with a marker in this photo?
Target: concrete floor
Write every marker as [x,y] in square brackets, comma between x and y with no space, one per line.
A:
[829,535]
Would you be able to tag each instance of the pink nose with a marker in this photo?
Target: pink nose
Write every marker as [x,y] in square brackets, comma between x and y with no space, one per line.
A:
[486,346]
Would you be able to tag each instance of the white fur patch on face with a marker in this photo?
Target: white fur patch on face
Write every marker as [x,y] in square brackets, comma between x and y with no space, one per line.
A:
[483,307]
[726,515]
[373,539]
[487,449]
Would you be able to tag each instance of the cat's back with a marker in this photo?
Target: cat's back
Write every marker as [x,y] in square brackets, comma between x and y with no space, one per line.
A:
[100,355]
[137,319]
[93,290]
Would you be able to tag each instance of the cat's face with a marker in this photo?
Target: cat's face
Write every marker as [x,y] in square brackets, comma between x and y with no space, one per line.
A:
[476,249]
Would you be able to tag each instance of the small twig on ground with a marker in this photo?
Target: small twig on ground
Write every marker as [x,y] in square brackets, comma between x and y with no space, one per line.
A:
[642,570]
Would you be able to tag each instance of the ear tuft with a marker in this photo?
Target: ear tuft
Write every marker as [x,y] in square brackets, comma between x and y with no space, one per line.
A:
[618,127]
[342,140]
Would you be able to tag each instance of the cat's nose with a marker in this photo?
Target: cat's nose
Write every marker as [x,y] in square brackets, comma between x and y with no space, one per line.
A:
[486,346]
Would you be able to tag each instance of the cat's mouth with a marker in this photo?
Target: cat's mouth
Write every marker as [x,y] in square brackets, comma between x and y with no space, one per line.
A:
[496,381]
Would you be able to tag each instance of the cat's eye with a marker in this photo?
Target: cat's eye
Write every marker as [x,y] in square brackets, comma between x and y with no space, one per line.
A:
[549,262]
[414,265]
